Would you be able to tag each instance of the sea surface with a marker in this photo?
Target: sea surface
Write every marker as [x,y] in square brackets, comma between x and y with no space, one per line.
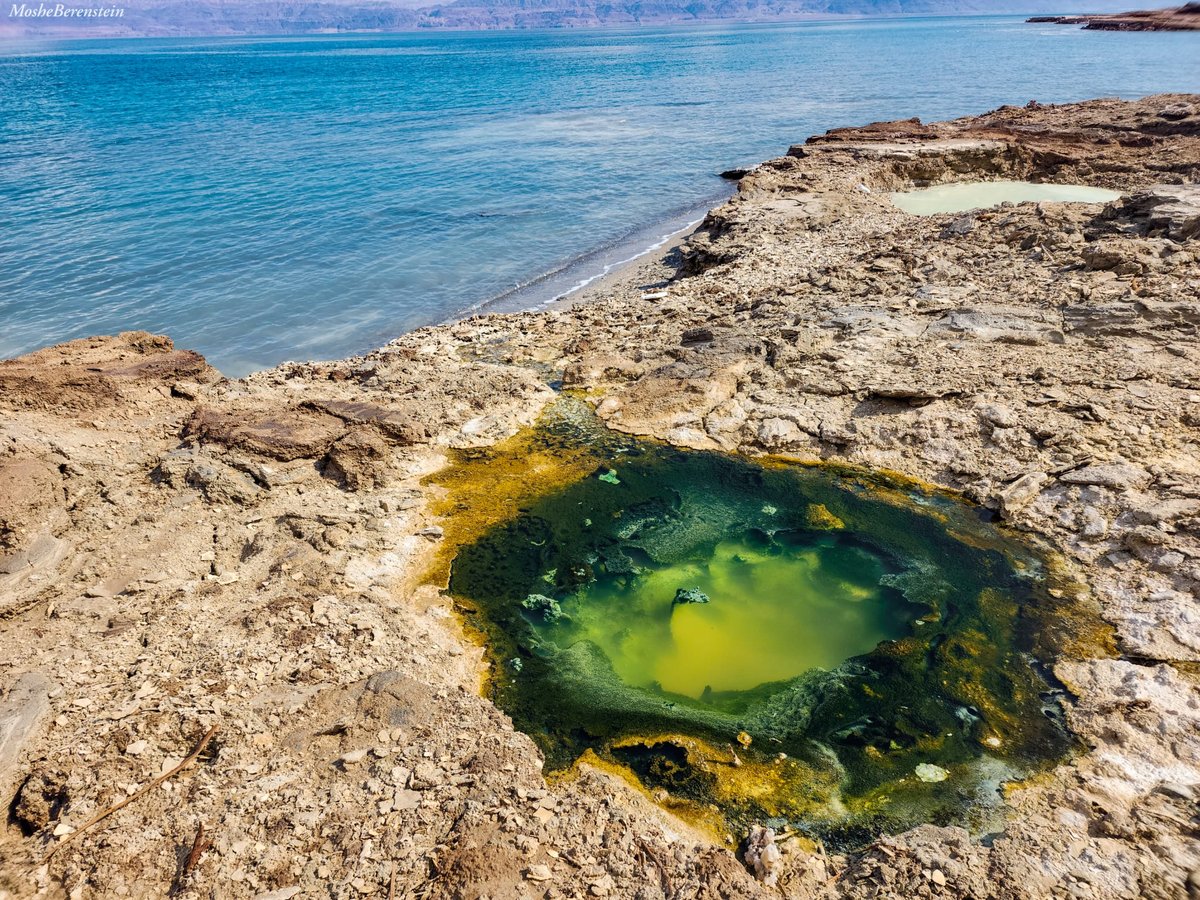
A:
[307,198]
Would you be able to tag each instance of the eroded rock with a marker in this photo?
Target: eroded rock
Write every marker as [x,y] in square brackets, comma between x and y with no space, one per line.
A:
[24,705]
[360,460]
[285,435]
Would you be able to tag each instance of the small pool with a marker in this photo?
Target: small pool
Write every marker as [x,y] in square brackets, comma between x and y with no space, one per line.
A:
[824,646]
[952,198]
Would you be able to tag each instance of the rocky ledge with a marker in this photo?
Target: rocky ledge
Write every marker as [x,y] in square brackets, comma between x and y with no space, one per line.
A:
[180,552]
[1177,18]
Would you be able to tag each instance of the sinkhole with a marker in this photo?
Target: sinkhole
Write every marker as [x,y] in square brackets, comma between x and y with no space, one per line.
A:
[964,196]
[823,648]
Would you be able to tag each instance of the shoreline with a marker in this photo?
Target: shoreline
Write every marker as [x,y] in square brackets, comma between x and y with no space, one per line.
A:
[180,551]
[585,275]
[650,270]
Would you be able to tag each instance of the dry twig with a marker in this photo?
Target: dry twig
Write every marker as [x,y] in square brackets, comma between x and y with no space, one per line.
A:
[199,846]
[101,816]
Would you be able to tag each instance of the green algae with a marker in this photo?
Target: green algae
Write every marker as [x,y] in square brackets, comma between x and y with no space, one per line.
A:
[860,633]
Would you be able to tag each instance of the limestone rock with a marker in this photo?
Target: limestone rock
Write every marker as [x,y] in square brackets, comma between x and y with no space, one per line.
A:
[1175,112]
[1172,210]
[1124,257]
[289,434]
[218,482]
[360,460]
[777,433]
[1021,493]
[24,704]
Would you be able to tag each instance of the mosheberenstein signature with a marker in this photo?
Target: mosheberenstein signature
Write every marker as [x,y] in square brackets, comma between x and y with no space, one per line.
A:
[62,11]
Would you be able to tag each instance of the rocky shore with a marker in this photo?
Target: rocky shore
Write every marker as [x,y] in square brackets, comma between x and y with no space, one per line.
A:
[1180,18]
[180,552]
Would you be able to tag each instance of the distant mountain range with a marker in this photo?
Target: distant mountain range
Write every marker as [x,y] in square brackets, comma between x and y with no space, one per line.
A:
[82,18]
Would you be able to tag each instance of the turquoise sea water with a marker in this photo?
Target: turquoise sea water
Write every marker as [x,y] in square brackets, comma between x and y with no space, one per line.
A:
[306,198]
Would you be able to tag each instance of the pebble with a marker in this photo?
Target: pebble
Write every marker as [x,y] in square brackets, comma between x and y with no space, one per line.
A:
[930,773]
[406,800]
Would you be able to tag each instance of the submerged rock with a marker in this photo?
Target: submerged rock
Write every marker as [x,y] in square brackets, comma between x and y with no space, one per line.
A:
[547,607]
[689,595]
[930,773]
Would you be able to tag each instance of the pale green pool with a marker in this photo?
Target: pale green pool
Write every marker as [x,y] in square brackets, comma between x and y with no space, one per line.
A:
[951,198]
[774,611]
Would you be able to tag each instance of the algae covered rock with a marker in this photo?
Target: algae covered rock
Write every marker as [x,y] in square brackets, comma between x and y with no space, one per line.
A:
[547,607]
[819,516]
[689,595]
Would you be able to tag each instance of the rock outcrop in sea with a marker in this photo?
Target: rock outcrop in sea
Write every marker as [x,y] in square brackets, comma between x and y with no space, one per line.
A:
[1175,18]
[180,551]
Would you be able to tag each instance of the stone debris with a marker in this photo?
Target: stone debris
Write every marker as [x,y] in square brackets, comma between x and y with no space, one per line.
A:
[763,856]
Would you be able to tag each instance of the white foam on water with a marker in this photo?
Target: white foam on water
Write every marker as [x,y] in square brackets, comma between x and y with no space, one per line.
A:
[576,274]
[612,266]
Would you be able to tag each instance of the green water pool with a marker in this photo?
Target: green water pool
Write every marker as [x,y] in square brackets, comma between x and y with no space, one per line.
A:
[800,644]
[961,197]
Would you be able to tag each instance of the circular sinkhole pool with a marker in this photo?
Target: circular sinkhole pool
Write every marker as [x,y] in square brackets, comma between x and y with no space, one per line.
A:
[818,647]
